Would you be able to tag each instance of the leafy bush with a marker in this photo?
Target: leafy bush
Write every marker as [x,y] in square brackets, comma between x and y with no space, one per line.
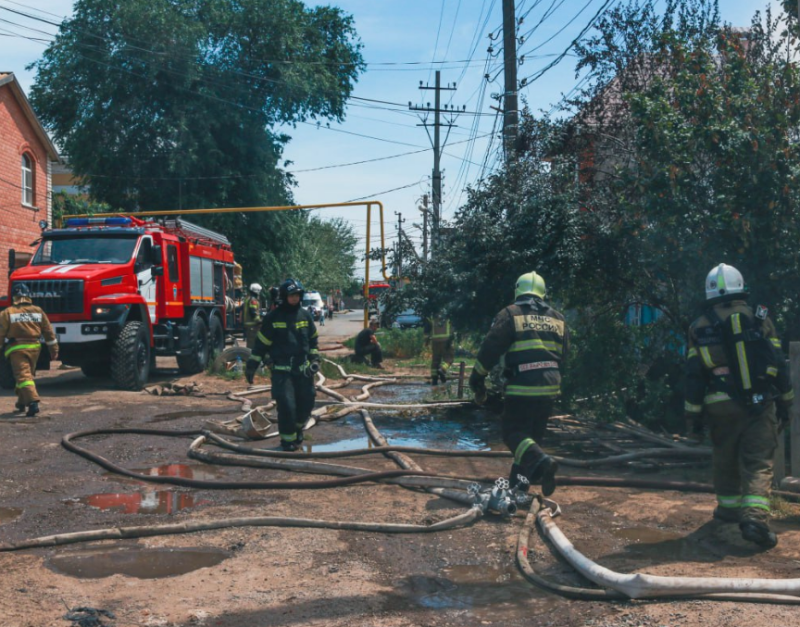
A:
[401,344]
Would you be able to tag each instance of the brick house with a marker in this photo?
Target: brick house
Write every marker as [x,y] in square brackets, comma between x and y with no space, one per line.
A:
[26,159]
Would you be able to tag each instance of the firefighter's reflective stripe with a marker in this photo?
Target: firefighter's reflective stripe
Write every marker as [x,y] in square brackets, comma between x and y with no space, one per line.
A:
[716,397]
[436,330]
[300,324]
[729,502]
[741,356]
[772,371]
[752,500]
[52,343]
[19,347]
[255,358]
[480,369]
[531,390]
[278,325]
[776,342]
[316,334]
[264,339]
[25,316]
[282,368]
[288,437]
[522,449]
[25,384]
[313,351]
[525,345]
[789,396]
[690,408]
[706,357]
[692,353]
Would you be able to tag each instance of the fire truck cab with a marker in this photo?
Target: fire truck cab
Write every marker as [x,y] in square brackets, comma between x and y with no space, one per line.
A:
[121,291]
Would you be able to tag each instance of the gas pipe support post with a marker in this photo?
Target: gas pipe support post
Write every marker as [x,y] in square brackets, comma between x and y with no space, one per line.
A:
[461,368]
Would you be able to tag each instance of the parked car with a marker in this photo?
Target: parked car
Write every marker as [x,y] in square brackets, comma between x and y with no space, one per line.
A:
[407,319]
[312,302]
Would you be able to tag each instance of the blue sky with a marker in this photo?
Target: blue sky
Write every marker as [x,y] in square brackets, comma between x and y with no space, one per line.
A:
[453,32]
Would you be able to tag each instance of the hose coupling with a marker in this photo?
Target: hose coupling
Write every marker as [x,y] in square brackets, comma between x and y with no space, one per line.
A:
[497,499]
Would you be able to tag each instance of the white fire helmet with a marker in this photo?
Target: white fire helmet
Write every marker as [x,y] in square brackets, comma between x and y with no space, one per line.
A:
[255,288]
[724,280]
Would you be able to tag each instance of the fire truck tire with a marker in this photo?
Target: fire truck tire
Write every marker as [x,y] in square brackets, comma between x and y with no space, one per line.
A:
[6,375]
[216,336]
[228,357]
[95,369]
[197,359]
[130,357]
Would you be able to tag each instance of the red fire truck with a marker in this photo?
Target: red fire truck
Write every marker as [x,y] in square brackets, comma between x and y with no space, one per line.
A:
[121,291]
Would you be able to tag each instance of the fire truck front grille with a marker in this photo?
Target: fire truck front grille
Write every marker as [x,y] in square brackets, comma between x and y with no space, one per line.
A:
[57,296]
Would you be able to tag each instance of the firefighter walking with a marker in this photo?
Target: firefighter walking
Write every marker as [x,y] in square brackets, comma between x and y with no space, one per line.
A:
[252,315]
[288,343]
[533,339]
[21,327]
[737,379]
[440,336]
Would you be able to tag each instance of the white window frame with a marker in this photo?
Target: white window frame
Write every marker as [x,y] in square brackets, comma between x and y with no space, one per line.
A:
[27,180]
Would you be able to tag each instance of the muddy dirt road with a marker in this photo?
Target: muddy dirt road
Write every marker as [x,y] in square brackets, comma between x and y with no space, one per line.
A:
[265,576]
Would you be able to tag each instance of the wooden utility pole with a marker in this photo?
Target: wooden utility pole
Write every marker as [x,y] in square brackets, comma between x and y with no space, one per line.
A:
[400,221]
[438,145]
[425,227]
[510,98]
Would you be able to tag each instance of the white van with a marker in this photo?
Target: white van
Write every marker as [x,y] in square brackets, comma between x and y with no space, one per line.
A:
[312,301]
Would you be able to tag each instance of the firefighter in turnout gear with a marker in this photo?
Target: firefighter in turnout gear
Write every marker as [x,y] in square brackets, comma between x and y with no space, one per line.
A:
[21,327]
[737,379]
[440,335]
[532,337]
[288,343]
[252,315]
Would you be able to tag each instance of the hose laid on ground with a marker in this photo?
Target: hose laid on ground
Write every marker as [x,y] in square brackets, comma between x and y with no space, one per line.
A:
[68,443]
[641,586]
[601,594]
[117,533]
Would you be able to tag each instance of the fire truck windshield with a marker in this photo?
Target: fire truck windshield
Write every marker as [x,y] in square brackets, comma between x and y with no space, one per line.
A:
[115,250]
[376,290]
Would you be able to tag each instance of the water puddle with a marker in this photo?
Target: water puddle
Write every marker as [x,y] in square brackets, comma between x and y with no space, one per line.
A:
[440,432]
[9,514]
[138,563]
[499,593]
[155,502]
[191,413]
[186,471]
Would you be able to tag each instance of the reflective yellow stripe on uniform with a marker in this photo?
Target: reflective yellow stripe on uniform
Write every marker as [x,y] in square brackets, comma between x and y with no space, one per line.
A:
[19,347]
[706,357]
[279,325]
[480,369]
[741,356]
[264,339]
[522,448]
[301,324]
[533,390]
[716,397]
[776,342]
[789,396]
[313,351]
[288,437]
[692,409]
[316,334]
[729,502]
[692,353]
[525,345]
[752,500]
[772,371]
[25,384]
[255,358]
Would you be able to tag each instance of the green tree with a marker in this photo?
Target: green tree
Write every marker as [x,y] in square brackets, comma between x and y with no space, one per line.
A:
[166,104]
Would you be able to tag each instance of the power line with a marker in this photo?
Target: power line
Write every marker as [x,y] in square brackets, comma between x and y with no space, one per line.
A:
[388,191]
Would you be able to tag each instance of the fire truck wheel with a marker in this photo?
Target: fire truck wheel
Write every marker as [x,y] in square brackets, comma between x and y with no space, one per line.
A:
[231,358]
[6,375]
[197,359]
[216,335]
[130,357]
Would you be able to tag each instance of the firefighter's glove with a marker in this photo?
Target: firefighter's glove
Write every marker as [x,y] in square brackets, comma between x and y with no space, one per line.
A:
[695,429]
[477,383]
[782,414]
[250,370]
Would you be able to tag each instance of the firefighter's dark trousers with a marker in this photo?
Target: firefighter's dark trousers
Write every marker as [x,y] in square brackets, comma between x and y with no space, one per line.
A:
[294,394]
[442,355]
[524,424]
[374,352]
[744,446]
[23,364]
[251,333]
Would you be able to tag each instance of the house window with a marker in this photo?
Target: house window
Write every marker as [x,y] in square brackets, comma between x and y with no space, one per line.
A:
[27,180]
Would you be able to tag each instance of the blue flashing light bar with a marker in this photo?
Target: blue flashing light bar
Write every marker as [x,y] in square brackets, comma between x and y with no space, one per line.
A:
[118,221]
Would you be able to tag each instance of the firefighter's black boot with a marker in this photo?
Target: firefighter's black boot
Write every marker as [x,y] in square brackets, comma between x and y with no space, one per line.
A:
[442,374]
[540,468]
[435,379]
[758,532]
[33,409]
[289,447]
